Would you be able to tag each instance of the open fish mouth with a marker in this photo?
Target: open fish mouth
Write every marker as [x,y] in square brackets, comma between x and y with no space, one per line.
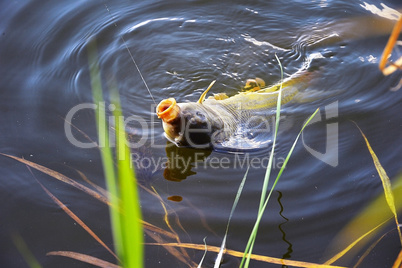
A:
[188,124]
[168,110]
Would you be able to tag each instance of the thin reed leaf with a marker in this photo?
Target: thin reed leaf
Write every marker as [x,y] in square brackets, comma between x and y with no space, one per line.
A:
[166,213]
[172,250]
[79,130]
[101,190]
[205,253]
[348,248]
[239,254]
[223,246]
[264,198]
[367,252]
[398,261]
[171,234]
[386,183]
[77,219]
[271,156]
[84,258]
[260,213]
[61,177]
[369,218]
[167,221]
[250,244]
[25,251]
[83,188]
[202,218]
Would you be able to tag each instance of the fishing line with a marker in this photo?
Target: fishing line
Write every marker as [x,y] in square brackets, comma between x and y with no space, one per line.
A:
[131,55]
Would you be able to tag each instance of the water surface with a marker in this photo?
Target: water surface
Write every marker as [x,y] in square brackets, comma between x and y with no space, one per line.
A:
[180,47]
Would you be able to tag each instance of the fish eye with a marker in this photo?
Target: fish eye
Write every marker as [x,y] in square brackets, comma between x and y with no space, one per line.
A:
[200,114]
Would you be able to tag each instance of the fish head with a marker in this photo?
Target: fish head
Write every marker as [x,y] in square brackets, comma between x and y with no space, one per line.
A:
[187,124]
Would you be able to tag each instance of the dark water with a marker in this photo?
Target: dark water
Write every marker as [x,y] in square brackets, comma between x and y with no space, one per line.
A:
[180,47]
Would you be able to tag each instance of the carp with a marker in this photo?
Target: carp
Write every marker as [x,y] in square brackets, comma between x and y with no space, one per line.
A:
[239,121]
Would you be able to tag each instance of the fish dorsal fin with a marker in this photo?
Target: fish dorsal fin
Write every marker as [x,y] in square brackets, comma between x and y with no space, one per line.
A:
[202,98]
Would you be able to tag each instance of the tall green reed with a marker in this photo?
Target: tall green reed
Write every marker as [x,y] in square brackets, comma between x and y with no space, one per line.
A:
[265,195]
[25,252]
[125,210]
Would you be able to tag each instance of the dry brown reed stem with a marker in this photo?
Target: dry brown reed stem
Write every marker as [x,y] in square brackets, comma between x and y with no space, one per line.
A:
[398,262]
[388,50]
[78,220]
[239,254]
[84,258]
[61,177]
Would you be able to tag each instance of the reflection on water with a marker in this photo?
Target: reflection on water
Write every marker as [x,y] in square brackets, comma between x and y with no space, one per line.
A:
[181,161]
[180,47]
[288,254]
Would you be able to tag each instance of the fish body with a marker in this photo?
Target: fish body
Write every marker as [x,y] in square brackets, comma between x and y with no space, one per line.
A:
[266,97]
[215,121]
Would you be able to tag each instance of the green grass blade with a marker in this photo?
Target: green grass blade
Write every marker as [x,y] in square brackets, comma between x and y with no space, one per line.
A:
[249,247]
[25,251]
[271,156]
[130,202]
[291,151]
[261,212]
[106,152]
[223,246]
[125,211]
